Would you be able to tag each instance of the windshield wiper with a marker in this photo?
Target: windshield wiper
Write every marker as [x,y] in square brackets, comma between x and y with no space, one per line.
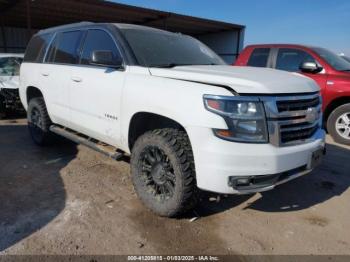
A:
[170,65]
[345,70]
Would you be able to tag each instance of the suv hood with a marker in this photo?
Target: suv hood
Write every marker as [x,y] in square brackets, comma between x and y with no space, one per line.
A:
[241,79]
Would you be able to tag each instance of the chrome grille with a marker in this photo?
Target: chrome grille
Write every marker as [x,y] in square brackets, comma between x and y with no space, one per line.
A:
[293,119]
[291,105]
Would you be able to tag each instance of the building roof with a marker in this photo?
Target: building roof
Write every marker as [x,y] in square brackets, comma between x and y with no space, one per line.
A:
[48,13]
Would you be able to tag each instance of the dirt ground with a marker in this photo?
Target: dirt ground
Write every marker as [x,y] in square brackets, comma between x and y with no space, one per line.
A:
[68,199]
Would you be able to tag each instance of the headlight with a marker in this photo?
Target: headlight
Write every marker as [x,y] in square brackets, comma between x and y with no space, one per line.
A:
[244,116]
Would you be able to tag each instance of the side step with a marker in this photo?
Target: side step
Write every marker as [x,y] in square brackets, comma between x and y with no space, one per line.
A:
[94,144]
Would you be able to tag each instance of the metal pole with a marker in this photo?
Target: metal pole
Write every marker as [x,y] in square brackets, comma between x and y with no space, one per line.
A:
[3,34]
[29,20]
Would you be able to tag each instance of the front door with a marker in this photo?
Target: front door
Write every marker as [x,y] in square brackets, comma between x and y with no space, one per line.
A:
[290,59]
[96,90]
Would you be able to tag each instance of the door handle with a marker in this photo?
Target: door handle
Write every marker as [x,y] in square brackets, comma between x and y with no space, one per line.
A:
[76,79]
[45,74]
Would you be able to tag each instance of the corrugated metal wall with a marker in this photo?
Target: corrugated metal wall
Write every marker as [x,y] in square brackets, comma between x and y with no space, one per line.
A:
[228,45]
[15,39]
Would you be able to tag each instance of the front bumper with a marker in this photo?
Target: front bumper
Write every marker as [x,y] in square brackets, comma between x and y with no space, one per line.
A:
[217,161]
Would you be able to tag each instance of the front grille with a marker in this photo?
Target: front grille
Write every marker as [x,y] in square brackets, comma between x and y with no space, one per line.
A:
[293,119]
[299,134]
[291,105]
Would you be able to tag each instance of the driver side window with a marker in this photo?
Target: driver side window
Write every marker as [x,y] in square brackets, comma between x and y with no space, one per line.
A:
[289,59]
[98,40]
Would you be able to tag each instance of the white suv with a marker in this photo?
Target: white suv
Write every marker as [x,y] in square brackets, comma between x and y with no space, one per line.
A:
[187,119]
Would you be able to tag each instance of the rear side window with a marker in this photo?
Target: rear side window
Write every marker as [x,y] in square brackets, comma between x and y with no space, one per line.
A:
[65,48]
[36,48]
[290,59]
[259,57]
[98,40]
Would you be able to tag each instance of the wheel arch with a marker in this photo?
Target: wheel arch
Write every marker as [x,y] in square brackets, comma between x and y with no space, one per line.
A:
[33,92]
[333,105]
[143,121]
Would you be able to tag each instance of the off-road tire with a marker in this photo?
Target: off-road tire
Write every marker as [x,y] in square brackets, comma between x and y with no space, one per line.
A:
[176,147]
[332,121]
[40,134]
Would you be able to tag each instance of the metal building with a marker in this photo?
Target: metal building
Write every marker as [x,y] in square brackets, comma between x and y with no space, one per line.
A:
[19,19]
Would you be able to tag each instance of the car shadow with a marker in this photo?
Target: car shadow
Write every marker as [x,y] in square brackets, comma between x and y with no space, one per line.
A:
[330,179]
[32,192]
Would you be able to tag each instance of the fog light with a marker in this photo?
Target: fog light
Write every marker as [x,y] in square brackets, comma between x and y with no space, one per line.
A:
[242,181]
[239,181]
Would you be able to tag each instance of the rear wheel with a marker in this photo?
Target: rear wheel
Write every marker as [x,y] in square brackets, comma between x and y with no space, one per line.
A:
[338,124]
[39,122]
[163,172]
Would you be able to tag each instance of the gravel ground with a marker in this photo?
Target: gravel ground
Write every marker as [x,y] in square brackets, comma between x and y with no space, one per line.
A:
[68,199]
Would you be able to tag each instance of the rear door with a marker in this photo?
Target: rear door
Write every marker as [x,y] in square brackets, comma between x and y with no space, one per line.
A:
[290,59]
[96,91]
[62,57]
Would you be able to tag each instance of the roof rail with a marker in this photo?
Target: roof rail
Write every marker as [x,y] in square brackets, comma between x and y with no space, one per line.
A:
[67,26]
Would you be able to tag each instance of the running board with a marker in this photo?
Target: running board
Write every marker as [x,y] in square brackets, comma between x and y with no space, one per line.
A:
[94,144]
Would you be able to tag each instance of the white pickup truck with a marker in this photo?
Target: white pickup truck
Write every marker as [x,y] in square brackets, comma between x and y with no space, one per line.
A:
[187,119]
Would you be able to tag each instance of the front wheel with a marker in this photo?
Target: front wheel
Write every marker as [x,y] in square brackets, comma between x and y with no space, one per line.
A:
[163,172]
[338,124]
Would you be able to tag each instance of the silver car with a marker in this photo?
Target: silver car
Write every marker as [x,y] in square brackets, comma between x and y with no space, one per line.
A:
[9,83]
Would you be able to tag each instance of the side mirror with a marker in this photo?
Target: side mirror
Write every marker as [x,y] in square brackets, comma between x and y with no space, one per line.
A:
[310,67]
[105,58]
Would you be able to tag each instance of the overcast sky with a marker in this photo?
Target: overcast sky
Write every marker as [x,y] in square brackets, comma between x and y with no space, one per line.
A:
[323,23]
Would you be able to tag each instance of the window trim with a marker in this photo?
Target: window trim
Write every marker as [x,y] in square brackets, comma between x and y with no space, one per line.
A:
[48,47]
[82,42]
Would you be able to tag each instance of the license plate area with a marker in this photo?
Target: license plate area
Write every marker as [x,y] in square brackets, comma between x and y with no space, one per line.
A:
[316,158]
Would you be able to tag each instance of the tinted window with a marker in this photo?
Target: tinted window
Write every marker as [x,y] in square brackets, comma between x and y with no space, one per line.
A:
[291,59]
[98,40]
[259,57]
[332,59]
[36,48]
[346,58]
[9,66]
[65,48]
[160,48]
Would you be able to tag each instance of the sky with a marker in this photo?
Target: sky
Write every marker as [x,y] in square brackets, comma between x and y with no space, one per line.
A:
[324,23]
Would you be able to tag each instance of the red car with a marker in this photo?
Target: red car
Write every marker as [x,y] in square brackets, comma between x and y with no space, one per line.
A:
[331,72]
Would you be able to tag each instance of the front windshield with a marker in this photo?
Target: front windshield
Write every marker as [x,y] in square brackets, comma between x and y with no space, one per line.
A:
[332,59]
[9,66]
[156,48]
